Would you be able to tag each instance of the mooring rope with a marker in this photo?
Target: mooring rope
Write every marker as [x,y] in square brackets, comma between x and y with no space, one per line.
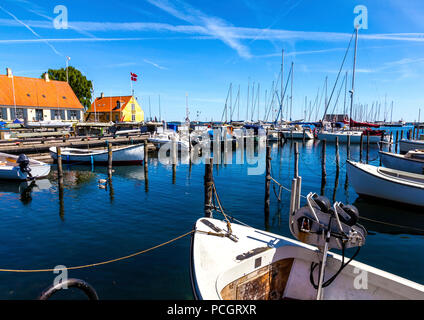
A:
[100,263]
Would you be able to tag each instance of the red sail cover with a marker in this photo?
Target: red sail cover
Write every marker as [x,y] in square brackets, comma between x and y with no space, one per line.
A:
[354,123]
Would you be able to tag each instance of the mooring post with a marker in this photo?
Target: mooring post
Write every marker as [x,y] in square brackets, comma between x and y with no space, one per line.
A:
[348,147]
[298,192]
[109,160]
[381,145]
[146,157]
[337,155]
[368,145]
[59,166]
[296,160]
[361,146]
[208,183]
[391,141]
[293,196]
[323,171]
[401,135]
[396,141]
[267,179]
[304,134]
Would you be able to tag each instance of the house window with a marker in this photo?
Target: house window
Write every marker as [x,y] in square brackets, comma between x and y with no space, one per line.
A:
[133,107]
[56,115]
[73,114]
[19,113]
[133,117]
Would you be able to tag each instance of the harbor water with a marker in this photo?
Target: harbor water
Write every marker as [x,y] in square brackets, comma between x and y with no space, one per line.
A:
[41,228]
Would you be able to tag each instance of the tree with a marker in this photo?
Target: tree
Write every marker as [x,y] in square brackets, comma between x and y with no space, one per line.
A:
[81,86]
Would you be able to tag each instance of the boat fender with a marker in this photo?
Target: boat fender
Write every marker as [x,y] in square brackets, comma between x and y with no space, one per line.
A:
[23,162]
[322,202]
[348,214]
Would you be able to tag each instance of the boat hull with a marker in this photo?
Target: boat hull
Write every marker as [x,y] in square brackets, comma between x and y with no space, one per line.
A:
[343,137]
[121,156]
[400,162]
[296,135]
[367,181]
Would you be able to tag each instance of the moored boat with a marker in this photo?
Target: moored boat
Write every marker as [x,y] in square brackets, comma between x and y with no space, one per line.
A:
[386,183]
[21,168]
[406,145]
[355,136]
[127,155]
[259,265]
[413,161]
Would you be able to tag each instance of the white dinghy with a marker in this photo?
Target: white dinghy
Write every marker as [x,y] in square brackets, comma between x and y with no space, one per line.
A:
[244,263]
[413,161]
[385,183]
[128,155]
[21,167]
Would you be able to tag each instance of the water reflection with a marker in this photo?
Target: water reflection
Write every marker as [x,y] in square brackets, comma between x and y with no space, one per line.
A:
[378,216]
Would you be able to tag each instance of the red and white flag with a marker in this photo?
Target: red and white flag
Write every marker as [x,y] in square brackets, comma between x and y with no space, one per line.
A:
[133,76]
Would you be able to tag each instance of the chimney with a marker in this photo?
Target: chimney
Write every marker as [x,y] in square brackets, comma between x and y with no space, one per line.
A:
[102,95]
[46,77]
[9,72]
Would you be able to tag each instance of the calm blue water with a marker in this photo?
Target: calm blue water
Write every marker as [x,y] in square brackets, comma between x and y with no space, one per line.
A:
[90,224]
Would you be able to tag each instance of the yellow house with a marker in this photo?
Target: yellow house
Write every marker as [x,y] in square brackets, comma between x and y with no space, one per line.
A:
[115,109]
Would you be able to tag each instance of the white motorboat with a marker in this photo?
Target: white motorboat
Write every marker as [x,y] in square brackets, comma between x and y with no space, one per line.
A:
[413,161]
[161,139]
[259,265]
[297,133]
[127,155]
[385,183]
[406,145]
[21,168]
[355,136]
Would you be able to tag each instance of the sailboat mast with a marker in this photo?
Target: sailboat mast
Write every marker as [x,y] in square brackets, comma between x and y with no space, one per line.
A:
[282,86]
[291,91]
[353,76]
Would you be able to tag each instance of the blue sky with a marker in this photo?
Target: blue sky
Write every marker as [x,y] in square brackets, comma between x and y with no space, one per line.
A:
[200,47]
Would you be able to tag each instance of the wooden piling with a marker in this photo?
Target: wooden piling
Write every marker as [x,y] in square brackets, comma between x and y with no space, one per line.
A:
[208,184]
[361,146]
[296,160]
[337,155]
[293,196]
[146,167]
[401,135]
[348,147]
[381,145]
[267,179]
[323,170]
[59,165]
[391,141]
[368,145]
[396,141]
[109,159]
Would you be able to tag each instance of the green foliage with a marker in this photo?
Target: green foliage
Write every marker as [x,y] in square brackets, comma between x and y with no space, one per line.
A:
[78,82]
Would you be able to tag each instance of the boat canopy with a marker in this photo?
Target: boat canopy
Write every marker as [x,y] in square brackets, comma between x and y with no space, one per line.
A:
[354,123]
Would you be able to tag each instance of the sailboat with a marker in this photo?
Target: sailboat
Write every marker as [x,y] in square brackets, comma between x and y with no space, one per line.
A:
[353,135]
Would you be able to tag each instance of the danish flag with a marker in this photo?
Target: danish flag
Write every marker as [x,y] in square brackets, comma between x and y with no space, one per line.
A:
[133,76]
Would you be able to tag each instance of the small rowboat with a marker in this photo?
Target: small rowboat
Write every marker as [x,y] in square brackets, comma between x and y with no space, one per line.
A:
[413,161]
[265,266]
[128,155]
[13,168]
[385,183]
[406,145]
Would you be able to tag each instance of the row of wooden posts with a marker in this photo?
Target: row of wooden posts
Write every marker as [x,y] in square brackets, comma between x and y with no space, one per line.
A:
[297,180]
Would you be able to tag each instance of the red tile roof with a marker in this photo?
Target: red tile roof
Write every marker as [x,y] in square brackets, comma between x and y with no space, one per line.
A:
[34,92]
[107,104]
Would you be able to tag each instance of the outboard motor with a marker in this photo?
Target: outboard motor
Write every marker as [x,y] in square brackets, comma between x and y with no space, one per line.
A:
[327,227]
[311,223]
[23,162]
